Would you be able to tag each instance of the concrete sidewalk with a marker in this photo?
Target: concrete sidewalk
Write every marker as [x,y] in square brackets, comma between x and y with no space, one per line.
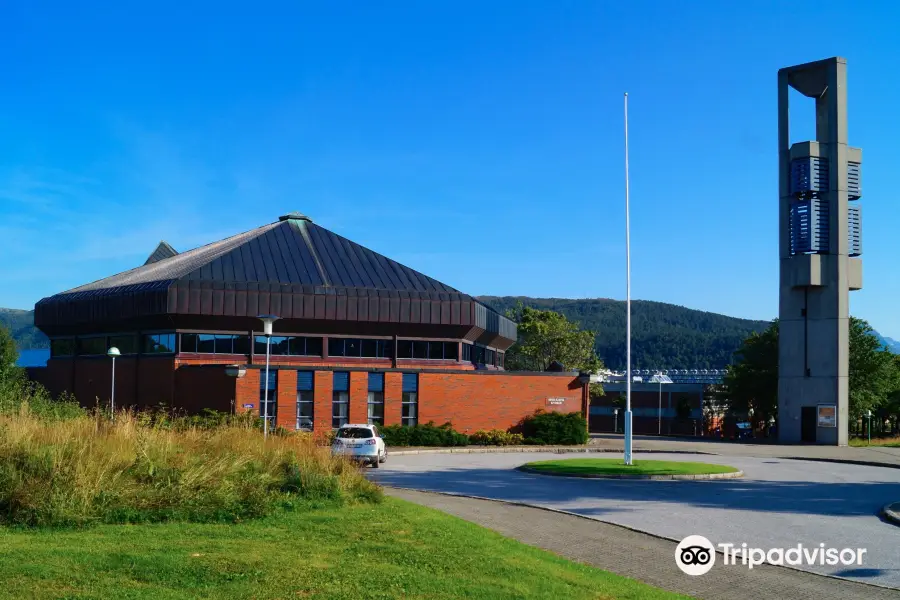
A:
[640,556]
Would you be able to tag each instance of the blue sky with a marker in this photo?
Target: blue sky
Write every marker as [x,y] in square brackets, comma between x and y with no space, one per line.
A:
[478,142]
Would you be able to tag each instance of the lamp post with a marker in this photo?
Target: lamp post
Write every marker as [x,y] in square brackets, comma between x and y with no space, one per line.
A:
[869,414]
[628,460]
[268,321]
[660,379]
[113,353]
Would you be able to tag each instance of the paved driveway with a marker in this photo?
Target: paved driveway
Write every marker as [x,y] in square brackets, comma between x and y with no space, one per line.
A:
[779,503]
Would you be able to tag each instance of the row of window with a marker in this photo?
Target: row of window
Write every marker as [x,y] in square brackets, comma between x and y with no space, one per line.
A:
[207,343]
[156,343]
[340,399]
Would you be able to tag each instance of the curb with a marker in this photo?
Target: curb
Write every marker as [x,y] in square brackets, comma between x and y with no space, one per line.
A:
[525,449]
[842,461]
[891,513]
[696,477]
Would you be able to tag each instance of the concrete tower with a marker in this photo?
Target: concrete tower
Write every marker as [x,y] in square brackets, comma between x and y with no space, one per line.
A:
[819,241]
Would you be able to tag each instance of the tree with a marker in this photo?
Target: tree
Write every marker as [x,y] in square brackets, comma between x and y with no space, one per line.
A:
[545,337]
[873,370]
[751,383]
[9,372]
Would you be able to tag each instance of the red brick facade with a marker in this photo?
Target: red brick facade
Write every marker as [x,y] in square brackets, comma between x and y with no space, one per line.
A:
[470,400]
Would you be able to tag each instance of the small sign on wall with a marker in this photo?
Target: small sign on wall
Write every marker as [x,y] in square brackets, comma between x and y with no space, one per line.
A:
[556,401]
[249,406]
[827,415]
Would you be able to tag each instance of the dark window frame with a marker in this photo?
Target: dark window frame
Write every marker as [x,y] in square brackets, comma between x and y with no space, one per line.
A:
[272,397]
[306,399]
[340,398]
[409,400]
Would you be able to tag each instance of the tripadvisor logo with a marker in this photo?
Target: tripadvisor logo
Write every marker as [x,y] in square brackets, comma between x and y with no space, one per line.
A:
[696,555]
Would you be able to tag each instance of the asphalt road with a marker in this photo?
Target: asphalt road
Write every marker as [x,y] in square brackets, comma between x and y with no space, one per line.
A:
[779,503]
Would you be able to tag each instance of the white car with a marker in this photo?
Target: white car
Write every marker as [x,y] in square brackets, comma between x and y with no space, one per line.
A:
[362,443]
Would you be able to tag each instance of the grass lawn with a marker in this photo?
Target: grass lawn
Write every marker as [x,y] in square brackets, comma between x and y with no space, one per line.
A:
[616,466]
[889,442]
[389,550]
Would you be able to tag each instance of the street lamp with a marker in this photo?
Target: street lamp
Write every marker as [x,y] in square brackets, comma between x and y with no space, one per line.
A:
[628,460]
[869,414]
[660,379]
[113,353]
[268,321]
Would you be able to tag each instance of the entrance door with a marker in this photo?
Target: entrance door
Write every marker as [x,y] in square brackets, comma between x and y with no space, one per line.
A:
[808,424]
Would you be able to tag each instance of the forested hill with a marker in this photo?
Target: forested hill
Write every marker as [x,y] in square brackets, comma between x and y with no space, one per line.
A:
[663,335]
[21,324]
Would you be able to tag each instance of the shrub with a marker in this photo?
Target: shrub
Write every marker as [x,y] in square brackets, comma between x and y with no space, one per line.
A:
[88,468]
[496,437]
[554,428]
[428,434]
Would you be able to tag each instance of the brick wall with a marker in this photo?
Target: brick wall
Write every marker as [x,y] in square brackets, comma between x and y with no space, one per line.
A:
[359,397]
[200,387]
[286,413]
[247,391]
[496,400]
[156,382]
[393,394]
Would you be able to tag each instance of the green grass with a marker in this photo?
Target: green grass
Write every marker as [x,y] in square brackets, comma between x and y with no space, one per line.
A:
[615,466]
[390,550]
[885,442]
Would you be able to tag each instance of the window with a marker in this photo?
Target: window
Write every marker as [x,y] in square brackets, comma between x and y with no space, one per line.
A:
[376,398]
[451,351]
[158,343]
[467,352]
[305,346]
[189,342]
[355,433]
[377,348]
[289,346]
[482,355]
[208,343]
[305,400]
[489,356]
[127,344]
[62,347]
[424,350]
[501,359]
[268,397]
[409,408]
[91,346]
[340,399]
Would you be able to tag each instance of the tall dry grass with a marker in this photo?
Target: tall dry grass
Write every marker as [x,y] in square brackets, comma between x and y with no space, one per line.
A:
[90,468]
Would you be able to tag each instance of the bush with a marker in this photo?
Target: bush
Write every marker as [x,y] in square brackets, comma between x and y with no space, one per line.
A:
[87,468]
[428,434]
[496,437]
[554,428]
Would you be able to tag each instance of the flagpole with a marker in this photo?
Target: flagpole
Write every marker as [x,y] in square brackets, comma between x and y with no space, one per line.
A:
[628,445]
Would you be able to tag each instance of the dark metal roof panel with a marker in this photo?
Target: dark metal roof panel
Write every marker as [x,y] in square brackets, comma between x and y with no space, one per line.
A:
[163,250]
[176,266]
